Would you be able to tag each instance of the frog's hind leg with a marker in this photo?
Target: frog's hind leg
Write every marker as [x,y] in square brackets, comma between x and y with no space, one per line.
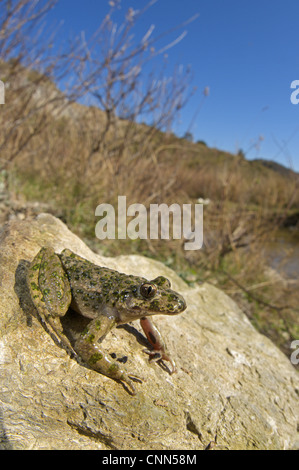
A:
[88,348]
[50,291]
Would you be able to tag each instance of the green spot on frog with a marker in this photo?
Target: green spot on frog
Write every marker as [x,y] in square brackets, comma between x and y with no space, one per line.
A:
[59,295]
[44,265]
[35,267]
[34,286]
[90,338]
[85,331]
[95,358]
[113,367]
[154,305]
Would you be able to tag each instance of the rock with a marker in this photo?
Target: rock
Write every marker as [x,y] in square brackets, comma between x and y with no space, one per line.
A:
[233,386]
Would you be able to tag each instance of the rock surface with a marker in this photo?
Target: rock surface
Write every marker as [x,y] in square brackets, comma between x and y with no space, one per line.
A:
[233,386]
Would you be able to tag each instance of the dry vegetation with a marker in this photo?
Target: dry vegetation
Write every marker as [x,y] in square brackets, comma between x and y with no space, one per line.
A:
[75,157]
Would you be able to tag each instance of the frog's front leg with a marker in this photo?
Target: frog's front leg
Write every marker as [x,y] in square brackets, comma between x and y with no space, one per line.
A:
[87,347]
[159,348]
[50,290]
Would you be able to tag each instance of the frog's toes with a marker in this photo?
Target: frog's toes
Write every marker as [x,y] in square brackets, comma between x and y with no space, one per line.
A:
[157,356]
[136,378]
[127,382]
[154,356]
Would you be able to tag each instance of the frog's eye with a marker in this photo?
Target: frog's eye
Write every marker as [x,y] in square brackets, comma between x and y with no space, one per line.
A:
[148,290]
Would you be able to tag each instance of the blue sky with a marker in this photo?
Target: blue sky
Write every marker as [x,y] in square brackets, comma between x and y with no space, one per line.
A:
[246,52]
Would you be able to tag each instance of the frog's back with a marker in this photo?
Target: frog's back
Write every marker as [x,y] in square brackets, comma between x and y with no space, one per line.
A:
[95,287]
[90,276]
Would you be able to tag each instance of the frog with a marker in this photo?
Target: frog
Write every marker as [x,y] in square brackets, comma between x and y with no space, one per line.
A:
[107,298]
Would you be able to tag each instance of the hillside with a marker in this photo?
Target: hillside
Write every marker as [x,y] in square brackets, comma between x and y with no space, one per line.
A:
[281,169]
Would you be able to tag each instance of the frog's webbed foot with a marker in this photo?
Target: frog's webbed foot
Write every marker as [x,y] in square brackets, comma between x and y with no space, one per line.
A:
[159,351]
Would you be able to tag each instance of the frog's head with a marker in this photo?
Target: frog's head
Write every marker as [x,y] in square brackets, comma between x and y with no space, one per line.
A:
[142,298]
